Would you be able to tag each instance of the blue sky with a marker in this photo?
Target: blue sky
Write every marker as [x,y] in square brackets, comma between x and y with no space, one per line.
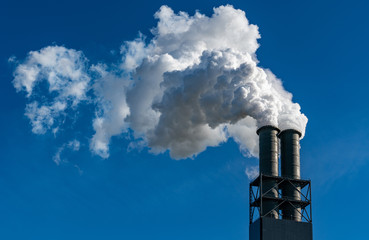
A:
[318,49]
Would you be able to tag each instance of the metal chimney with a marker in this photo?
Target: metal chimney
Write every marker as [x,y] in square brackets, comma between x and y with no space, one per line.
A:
[290,169]
[268,165]
[267,202]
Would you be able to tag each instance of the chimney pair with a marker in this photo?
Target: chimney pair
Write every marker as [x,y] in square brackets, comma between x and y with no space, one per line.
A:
[290,169]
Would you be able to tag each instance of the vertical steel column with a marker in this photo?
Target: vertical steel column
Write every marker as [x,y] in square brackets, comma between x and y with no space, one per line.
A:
[290,168]
[268,165]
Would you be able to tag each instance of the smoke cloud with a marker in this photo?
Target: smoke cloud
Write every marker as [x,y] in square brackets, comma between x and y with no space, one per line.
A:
[195,84]
[64,70]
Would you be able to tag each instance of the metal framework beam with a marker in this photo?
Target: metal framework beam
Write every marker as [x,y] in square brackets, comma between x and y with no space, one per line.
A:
[257,197]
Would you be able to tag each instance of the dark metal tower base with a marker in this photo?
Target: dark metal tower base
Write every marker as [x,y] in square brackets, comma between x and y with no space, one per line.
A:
[267,228]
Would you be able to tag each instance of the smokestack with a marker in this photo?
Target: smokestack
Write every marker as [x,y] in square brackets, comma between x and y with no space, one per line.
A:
[290,168]
[268,165]
[265,200]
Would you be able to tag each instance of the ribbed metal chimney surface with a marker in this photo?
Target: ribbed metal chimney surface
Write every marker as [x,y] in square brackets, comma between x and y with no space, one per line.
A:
[268,165]
[273,196]
[290,168]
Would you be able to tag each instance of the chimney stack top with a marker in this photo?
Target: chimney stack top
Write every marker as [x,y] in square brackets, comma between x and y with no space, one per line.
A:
[268,126]
[289,130]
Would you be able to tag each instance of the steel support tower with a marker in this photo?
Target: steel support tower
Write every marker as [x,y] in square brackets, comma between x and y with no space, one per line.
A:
[280,205]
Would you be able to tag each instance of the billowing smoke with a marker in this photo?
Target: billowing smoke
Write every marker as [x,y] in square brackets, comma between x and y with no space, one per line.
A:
[64,70]
[195,84]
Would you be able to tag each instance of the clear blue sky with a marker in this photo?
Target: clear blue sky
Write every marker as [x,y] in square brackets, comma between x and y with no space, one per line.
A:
[318,48]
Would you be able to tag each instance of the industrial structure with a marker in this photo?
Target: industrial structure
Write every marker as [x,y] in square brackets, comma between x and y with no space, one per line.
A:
[280,204]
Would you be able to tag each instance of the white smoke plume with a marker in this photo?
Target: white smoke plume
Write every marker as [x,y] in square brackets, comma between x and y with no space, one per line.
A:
[64,70]
[112,109]
[73,145]
[195,84]
[252,172]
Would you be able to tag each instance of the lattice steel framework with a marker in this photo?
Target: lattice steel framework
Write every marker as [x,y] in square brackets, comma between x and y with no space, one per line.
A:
[303,206]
